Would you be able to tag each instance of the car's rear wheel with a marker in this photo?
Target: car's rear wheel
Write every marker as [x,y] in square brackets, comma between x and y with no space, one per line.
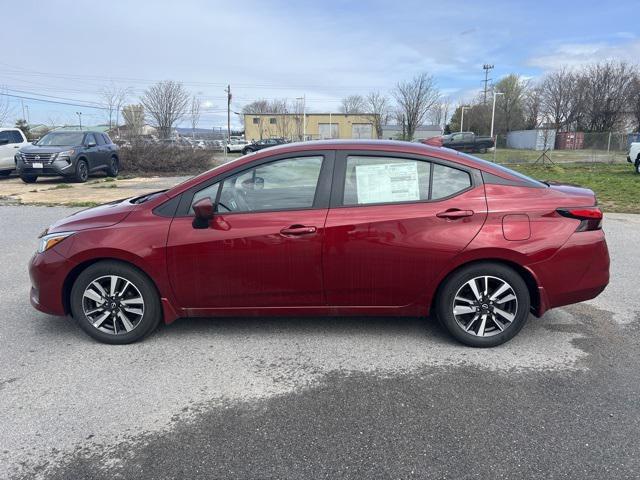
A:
[115,303]
[638,166]
[114,167]
[82,171]
[484,304]
[29,178]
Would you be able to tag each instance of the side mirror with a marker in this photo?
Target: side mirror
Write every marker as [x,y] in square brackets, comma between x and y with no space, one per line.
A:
[204,211]
[91,144]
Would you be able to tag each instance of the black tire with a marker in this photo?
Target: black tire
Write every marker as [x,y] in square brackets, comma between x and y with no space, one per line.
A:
[228,150]
[82,171]
[638,165]
[152,311]
[455,283]
[247,150]
[29,178]
[5,173]
[114,167]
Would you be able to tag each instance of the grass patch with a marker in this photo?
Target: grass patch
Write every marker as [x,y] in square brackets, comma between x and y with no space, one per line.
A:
[110,179]
[61,186]
[616,185]
[79,204]
[113,185]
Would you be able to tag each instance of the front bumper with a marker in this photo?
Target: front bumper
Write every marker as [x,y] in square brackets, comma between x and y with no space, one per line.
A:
[48,272]
[59,167]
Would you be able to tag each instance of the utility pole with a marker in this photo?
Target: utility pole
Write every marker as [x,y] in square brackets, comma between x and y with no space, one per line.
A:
[79,119]
[228,90]
[23,115]
[486,67]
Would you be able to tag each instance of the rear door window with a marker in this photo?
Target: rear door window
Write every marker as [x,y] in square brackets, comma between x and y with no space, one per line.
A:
[448,181]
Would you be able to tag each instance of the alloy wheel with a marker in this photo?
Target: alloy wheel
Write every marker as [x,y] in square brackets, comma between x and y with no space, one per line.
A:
[113,304]
[485,306]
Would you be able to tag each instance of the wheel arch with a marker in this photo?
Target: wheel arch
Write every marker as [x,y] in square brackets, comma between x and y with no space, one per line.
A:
[526,275]
[73,274]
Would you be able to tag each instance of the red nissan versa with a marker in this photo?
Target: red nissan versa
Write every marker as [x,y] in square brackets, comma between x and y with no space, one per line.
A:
[329,228]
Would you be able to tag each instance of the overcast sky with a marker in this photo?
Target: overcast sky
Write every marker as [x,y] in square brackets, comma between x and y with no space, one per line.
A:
[63,51]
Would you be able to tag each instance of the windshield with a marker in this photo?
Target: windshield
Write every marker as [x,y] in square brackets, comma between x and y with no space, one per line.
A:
[60,139]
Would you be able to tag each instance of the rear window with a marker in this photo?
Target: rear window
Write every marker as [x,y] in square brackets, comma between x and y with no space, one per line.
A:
[528,180]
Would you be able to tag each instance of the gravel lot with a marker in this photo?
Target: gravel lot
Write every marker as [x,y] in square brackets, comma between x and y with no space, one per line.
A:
[319,398]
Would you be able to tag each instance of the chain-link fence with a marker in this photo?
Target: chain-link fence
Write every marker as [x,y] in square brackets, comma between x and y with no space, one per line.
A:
[546,146]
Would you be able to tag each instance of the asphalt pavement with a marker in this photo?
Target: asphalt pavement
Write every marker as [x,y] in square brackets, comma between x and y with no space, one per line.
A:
[319,398]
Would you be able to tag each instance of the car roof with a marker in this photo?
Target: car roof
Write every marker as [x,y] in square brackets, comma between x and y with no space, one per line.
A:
[390,146]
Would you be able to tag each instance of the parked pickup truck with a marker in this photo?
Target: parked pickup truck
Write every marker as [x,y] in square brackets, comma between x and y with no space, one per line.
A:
[634,155]
[467,142]
[11,139]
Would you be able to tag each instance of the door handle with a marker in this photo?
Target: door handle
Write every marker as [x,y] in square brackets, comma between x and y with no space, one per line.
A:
[454,213]
[298,230]
[16,146]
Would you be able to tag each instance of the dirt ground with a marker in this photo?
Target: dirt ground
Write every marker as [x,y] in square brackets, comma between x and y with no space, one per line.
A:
[55,191]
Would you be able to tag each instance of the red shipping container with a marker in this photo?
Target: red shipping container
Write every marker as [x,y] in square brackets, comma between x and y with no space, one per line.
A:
[569,140]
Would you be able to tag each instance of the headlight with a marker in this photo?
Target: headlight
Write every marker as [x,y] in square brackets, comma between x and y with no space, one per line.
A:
[67,153]
[51,239]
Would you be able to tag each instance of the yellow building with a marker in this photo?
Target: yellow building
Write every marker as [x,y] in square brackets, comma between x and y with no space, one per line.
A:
[319,126]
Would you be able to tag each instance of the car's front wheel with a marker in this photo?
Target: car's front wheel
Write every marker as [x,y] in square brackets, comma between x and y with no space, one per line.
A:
[115,302]
[82,171]
[638,166]
[29,178]
[484,304]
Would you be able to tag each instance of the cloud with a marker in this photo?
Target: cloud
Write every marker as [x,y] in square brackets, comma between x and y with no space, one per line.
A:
[577,54]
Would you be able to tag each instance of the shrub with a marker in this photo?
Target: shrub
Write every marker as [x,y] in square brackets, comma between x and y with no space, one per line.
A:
[147,158]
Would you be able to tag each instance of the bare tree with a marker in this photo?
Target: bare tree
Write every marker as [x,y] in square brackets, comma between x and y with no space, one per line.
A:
[533,114]
[439,113]
[194,114]
[114,98]
[353,104]
[415,98]
[378,106]
[5,107]
[134,119]
[634,100]
[607,87]
[558,99]
[166,102]
[258,108]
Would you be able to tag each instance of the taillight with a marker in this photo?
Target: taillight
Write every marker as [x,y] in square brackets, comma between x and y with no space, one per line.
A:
[590,217]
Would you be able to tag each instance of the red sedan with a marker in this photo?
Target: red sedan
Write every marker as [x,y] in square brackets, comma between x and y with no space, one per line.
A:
[329,228]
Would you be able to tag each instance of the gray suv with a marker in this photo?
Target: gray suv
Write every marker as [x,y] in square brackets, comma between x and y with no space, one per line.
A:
[70,154]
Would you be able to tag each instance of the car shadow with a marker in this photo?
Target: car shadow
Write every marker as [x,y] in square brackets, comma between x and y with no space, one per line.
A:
[316,326]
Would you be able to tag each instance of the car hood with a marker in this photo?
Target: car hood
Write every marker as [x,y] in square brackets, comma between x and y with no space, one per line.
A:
[102,216]
[46,148]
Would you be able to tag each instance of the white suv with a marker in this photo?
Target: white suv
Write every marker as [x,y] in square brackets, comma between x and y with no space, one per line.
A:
[11,139]
[634,155]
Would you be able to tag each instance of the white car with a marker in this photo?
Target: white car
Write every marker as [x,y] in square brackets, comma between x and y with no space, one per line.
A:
[11,139]
[236,145]
[634,155]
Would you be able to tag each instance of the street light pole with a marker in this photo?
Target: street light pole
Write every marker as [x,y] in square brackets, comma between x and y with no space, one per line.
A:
[79,119]
[462,117]
[493,111]
[304,116]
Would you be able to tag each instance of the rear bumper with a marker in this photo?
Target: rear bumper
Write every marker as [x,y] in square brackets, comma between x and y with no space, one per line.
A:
[579,271]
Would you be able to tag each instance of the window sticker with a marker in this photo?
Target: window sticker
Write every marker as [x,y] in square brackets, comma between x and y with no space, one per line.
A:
[389,182]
